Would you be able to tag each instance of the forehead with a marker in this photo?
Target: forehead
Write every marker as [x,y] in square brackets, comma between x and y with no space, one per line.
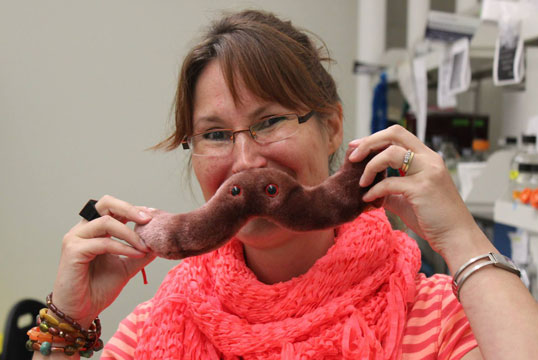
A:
[211,90]
[213,98]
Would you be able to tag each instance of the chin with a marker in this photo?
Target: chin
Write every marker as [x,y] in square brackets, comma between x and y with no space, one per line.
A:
[257,231]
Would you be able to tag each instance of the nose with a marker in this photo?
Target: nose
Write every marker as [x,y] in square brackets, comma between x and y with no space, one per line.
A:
[246,153]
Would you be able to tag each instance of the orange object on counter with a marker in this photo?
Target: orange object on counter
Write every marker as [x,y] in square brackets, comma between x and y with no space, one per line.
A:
[480,145]
[516,194]
[525,196]
[534,198]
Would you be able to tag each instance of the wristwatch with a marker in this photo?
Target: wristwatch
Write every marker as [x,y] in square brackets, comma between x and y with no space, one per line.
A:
[497,260]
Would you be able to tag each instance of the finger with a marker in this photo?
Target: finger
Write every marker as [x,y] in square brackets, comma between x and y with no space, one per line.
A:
[134,265]
[391,157]
[394,135]
[143,209]
[355,142]
[388,186]
[109,205]
[107,225]
[104,245]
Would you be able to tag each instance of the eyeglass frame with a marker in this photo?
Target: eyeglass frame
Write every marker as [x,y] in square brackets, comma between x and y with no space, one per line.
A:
[301,120]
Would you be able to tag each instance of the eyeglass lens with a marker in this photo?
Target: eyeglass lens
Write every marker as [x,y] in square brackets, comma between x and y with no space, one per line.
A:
[220,142]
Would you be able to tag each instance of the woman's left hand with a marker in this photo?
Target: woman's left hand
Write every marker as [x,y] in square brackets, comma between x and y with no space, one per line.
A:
[426,199]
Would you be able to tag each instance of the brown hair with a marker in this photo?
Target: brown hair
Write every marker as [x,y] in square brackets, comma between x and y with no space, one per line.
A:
[275,61]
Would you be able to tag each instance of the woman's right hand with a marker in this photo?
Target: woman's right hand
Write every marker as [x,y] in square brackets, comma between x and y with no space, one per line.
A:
[94,268]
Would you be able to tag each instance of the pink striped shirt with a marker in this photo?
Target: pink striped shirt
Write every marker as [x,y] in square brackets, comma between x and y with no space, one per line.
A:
[436,328]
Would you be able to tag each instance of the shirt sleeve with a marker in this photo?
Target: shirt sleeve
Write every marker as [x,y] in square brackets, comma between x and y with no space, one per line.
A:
[456,337]
[122,344]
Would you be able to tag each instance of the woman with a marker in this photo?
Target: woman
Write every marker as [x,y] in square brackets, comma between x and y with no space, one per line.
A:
[350,292]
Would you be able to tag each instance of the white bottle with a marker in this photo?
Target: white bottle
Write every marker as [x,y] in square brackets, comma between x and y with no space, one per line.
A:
[524,176]
[510,143]
[534,178]
[526,154]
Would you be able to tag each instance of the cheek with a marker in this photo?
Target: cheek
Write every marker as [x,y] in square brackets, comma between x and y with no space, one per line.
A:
[306,157]
[314,157]
[210,175]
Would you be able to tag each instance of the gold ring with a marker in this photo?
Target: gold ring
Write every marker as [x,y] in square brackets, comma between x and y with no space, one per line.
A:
[408,158]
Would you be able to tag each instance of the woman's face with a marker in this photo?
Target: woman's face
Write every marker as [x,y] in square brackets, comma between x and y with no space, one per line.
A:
[304,156]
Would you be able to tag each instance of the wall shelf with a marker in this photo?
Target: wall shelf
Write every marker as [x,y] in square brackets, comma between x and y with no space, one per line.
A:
[516,214]
[489,185]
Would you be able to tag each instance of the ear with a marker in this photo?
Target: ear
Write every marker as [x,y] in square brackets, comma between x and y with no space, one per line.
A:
[335,130]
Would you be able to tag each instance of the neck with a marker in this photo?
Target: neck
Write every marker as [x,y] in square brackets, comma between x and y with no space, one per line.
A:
[291,259]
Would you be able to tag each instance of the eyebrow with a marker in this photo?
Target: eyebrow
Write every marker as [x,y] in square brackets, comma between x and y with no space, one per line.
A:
[214,119]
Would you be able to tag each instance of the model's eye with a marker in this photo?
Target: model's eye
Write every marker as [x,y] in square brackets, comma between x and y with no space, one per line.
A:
[216,135]
[236,190]
[271,122]
[271,190]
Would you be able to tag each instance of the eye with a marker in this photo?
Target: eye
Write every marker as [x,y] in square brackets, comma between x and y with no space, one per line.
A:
[217,135]
[270,123]
[236,190]
[271,190]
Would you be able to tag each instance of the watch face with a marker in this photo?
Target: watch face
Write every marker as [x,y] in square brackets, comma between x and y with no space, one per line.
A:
[505,262]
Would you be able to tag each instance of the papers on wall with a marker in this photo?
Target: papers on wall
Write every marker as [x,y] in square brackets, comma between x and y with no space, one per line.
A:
[508,65]
[460,74]
[454,74]
[444,98]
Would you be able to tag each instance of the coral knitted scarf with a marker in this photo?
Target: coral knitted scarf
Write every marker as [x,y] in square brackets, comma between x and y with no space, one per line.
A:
[351,304]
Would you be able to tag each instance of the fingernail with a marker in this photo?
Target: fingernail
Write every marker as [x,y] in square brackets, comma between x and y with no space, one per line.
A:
[143,215]
[353,154]
[146,248]
[361,181]
[140,254]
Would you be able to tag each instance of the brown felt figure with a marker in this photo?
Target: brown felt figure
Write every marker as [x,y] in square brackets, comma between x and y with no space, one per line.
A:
[260,192]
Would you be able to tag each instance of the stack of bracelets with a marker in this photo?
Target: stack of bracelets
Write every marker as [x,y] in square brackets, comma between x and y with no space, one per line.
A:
[62,334]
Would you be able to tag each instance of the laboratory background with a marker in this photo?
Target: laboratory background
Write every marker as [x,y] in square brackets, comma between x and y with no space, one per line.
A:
[86,87]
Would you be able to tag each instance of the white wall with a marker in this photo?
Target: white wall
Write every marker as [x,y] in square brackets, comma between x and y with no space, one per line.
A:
[85,87]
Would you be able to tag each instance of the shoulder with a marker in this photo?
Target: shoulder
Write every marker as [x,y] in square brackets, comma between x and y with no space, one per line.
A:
[432,286]
[123,343]
[424,314]
[436,324]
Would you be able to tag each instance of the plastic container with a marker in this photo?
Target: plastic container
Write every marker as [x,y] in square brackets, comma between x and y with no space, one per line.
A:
[534,177]
[521,185]
[510,143]
[480,149]
[526,154]
[524,177]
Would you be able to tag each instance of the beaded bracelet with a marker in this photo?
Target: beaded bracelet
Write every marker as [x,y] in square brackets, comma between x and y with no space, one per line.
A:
[46,348]
[36,343]
[92,335]
[62,329]
[64,317]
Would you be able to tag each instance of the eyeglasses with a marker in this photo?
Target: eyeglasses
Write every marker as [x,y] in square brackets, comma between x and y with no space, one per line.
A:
[219,142]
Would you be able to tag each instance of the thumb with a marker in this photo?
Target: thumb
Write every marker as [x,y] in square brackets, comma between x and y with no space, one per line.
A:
[398,204]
